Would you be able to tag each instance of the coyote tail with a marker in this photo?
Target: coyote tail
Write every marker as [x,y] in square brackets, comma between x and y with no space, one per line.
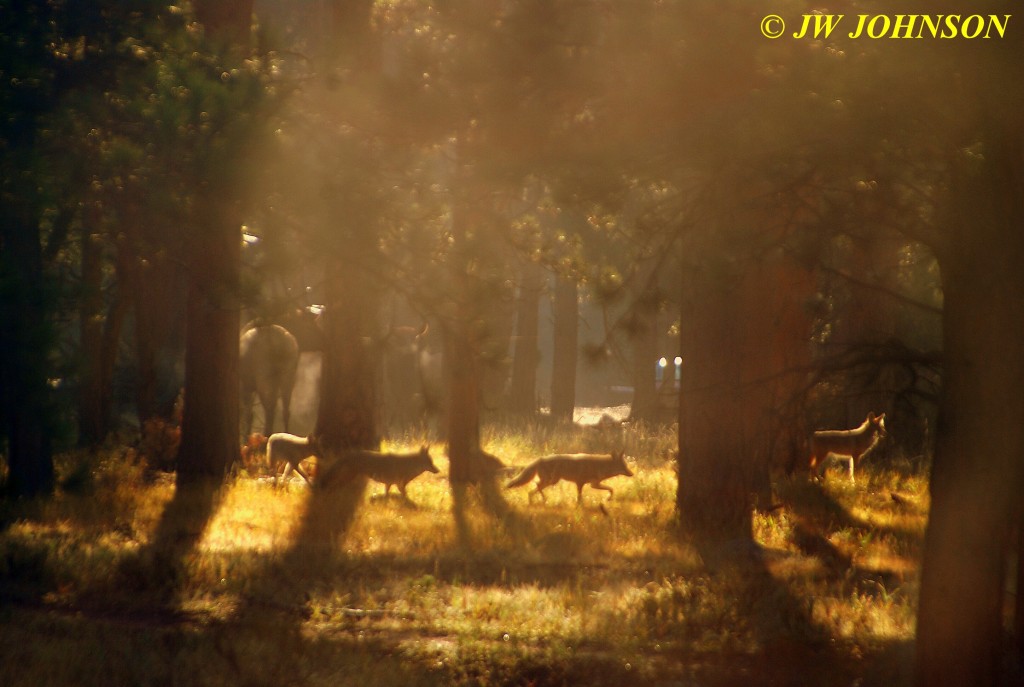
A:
[524,477]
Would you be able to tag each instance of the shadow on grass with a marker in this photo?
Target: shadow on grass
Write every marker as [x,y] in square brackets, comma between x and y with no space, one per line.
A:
[157,573]
[484,497]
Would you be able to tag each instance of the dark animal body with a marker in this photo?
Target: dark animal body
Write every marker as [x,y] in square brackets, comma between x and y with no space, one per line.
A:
[412,376]
[852,443]
[268,358]
[390,468]
[580,468]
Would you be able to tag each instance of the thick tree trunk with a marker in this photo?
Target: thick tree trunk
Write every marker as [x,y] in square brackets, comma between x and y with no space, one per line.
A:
[209,430]
[715,475]
[978,471]
[523,387]
[566,335]
[101,337]
[25,345]
[347,415]
[741,345]
[644,339]
[91,423]
[209,426]
[464,401]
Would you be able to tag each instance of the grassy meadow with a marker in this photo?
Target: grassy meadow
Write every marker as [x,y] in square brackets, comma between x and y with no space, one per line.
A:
[118,580]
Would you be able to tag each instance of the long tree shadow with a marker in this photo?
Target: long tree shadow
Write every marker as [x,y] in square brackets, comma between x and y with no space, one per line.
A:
[158,572]
[484,497]
[272,612]
[782,622]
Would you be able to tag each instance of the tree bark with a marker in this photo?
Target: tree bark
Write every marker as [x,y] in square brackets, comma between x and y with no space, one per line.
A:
[209,428]
[25,344]
[101,336]
[978,471]
[566,335]
[644,339]
[742,345]
[464,401]
[347,417]
[523,387]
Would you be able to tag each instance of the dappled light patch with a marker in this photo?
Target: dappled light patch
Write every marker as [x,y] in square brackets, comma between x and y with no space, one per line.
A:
[551,590]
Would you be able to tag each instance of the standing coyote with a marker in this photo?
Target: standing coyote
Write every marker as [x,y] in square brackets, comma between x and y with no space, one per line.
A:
[291,450]
[852,443]
[581,468]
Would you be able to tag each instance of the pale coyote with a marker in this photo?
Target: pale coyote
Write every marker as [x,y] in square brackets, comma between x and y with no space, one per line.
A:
[581,468]
[291,450]
[850,443]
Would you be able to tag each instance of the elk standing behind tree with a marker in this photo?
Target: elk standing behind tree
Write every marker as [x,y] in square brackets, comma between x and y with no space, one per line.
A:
[267,364]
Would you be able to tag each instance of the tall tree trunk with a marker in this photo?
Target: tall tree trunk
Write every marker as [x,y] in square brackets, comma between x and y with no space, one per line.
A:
[523,387]
[462,343]
[101,336]
[25,345]
[978,471]
[644,340]
[741,346]
[209,428]
[566,335]
[715,475]
[91,424]
[463,401]
[156,284]
[347,415]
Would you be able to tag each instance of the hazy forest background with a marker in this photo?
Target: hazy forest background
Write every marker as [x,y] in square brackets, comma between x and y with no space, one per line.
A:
[476,217]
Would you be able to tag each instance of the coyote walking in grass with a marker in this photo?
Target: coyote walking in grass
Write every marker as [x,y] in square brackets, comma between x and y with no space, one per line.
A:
[581,468]
[851,443]
[389,468]
[291,450]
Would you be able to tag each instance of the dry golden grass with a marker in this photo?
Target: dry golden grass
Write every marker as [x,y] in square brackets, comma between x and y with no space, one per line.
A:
[256,585]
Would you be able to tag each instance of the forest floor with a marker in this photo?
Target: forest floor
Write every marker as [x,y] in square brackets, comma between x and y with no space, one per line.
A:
[121,580]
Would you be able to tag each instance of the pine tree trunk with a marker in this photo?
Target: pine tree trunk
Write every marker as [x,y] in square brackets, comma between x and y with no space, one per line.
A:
[91,424]
[209,429]
[741,345]
[463,402]
[101,337]
[566,335]
[25,344]
[645,354]
[978,471]
[523,387]
[347,417]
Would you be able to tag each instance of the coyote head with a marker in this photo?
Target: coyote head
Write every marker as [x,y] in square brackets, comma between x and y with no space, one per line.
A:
[620,462]
[424,460]
[877,424]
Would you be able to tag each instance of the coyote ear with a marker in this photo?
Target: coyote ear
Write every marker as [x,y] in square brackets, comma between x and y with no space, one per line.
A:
[871,416]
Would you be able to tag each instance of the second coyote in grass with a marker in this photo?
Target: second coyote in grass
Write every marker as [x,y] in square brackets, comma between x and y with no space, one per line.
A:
[387,468]
[851,443]
[581,468]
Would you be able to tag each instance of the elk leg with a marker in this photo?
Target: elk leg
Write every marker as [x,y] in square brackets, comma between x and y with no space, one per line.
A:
[247,401]
[269,403]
